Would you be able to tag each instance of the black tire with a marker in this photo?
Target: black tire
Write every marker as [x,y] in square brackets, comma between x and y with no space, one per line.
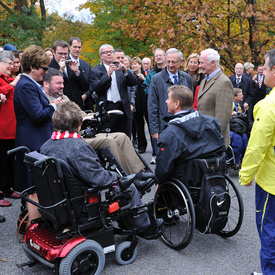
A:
[86,258]
[122,255]
[173,203]
[236,211]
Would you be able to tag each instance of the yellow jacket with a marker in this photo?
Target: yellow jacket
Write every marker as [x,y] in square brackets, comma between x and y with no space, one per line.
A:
[259,159]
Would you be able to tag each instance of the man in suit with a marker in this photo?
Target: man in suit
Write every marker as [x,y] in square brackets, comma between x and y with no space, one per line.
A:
[119,143]
[170,75]
[259,85]
[244,83]
[159,56]
[110,82]
[248,69]
[75,82]
[146,65]
[75,47]
[215,95]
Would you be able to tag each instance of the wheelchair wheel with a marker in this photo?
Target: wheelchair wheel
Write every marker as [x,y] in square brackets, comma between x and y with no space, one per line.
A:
[236,211]
[85,258]
[123,257]
[174,205]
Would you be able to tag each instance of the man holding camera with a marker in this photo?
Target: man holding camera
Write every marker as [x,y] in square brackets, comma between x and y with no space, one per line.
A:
[75,82]
[110,81]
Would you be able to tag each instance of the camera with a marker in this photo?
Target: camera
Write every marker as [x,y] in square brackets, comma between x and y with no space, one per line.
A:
[115,63]
[68,62]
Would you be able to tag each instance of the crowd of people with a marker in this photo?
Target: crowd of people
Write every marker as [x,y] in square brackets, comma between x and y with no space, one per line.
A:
[34,82]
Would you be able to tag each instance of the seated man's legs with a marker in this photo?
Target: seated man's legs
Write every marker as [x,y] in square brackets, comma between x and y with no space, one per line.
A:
[237,145]
[121,147]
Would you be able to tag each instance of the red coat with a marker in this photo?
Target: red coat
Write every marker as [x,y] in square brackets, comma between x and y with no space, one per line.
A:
[7,115]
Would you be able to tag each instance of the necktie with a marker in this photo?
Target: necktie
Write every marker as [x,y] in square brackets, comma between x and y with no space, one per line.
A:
[238,81]
[175,80]
[260,81]
[145,73]
[114,90]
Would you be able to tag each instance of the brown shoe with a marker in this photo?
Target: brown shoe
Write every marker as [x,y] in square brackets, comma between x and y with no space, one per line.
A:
[5,203]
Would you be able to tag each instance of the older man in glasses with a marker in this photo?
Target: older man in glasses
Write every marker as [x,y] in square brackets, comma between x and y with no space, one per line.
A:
[170,75]
[110,80]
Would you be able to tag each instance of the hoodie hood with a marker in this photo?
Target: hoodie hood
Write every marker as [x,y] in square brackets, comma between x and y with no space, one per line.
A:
[191,123]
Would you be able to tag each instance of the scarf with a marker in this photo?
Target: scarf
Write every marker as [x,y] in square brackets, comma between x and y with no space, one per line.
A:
[61,135]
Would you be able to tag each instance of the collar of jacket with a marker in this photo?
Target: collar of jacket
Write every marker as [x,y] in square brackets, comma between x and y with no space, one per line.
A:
[168,118]
[166,77]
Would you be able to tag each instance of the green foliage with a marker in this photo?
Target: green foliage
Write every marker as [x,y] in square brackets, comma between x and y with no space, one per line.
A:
[21,29]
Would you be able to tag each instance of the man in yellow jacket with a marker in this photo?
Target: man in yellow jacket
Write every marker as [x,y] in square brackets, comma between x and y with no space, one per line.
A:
[259,160]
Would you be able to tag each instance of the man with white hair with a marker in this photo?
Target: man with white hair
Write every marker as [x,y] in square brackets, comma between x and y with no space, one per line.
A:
[170,75]
[146,65]
[245,83]
[215,95]
[248,69]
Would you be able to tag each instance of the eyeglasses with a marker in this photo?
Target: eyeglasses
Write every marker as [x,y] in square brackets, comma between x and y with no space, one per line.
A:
[193,62]
[172,62]
[44,68]
[106,52]
[10,63]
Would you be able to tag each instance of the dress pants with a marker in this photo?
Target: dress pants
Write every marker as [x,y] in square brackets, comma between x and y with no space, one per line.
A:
[119,123]
[121,147]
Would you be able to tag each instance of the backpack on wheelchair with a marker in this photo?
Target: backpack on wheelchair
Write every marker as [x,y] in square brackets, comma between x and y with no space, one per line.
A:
[208,200]
[78,224]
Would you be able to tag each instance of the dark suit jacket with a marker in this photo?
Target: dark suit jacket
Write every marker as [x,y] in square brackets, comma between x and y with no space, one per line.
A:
[75,86]
[34,123]
[259,93]
[101,82]
[246,86]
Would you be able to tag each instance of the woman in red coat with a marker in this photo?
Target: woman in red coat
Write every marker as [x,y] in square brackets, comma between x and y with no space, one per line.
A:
[7,128]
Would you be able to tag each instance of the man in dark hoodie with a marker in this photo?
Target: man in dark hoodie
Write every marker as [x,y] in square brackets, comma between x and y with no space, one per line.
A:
[189,135]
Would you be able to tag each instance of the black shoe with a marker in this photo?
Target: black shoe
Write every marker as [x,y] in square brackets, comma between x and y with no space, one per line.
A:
[141,151]
[135,144]
[143,185]
[2,219]
[143,175]
[151,233]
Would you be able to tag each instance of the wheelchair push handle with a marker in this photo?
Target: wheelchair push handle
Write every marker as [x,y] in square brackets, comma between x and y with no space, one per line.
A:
[56,162]
[17,149]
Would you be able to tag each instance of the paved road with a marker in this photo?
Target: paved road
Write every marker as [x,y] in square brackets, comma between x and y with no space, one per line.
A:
[206,255]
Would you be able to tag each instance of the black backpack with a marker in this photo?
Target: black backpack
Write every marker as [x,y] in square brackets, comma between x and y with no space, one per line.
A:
[214,199]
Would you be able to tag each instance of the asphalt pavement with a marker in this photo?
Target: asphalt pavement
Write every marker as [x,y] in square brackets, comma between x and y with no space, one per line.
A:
[206,254]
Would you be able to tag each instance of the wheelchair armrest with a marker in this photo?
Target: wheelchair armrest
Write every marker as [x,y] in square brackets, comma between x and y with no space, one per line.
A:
[125,182]
[17,149]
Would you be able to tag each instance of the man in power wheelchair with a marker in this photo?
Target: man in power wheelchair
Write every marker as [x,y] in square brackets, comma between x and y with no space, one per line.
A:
[79,201]
[190,168]
[118,144]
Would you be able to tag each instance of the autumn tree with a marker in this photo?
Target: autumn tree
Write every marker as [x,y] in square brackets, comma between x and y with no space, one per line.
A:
[241,30]
[107,16]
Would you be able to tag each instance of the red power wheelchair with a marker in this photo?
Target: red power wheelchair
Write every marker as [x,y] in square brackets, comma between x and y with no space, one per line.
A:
[77,226]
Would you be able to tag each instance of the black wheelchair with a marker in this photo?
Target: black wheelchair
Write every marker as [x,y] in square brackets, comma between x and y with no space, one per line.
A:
[178,205]
[77,226]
